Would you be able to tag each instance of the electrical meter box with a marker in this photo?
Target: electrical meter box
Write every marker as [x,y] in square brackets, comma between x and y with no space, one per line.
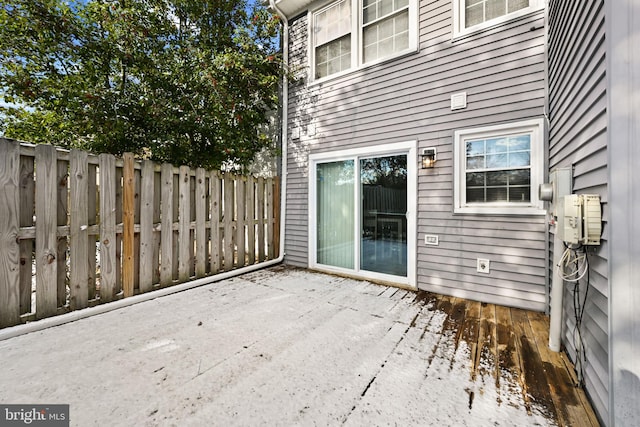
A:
[582,219]
[560,180]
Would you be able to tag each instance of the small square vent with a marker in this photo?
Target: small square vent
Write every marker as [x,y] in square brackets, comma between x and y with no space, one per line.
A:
[459,101]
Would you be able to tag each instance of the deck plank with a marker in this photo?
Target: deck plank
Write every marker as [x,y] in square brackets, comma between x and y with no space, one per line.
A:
[508,361]
[569,405]
[470,331]
[535,384]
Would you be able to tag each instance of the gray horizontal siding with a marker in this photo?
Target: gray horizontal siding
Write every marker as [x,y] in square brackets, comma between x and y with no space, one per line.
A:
[578,138]
[408,98]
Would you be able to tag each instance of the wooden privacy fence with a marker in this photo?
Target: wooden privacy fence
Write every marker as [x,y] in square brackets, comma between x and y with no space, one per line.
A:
[78,229]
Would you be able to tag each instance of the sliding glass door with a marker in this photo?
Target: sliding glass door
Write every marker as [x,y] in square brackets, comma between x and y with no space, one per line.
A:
[334,218]
[383,214]
[360,214]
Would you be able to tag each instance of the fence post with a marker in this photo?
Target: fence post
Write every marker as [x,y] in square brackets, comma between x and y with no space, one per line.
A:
[46,230]
[79,235]
[251,219]
[27,209]
[128,216]
[260,201]
[214,189]
[108,265]
[201,200]
[270,212]
[166,226]
[9,226]
[184,221]
[276,216]
[63,242]
[240,217]
[146,227]
[92,218]
[228,221]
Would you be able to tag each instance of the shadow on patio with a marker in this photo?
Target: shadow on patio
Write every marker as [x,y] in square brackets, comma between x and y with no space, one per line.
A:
[286,346]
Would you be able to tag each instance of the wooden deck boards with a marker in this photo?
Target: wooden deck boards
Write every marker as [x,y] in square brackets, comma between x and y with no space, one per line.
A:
[514,343]
[286,346]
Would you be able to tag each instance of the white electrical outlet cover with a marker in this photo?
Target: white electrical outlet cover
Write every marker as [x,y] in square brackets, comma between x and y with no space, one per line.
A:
[431,239]
[483,265]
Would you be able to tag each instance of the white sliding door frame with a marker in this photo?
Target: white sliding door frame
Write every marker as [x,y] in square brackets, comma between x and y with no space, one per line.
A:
[408,148]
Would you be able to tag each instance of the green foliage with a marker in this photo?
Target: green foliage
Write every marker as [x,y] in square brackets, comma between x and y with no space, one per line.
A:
[183,81]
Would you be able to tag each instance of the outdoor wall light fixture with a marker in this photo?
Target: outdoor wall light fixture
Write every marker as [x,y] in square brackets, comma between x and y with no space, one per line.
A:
[428,158]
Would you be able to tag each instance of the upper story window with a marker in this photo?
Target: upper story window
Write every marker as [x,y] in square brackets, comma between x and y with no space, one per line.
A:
[385,28]
[473,15]
[348,34]
[499,168]
[332,41]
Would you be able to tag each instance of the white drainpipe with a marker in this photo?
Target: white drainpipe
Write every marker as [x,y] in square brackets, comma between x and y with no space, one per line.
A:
[125,302]
[557,288]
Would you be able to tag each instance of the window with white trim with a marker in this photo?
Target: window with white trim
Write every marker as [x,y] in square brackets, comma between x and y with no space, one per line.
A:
[472,15]
[499,168]
[385,28]
[349,34]
[332,39]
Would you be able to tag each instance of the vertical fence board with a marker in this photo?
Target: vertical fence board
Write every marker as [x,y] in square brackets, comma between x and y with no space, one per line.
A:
[207,225]
[215,191]
[146,226]
[119,220]
[192,219]
[9,226]
[46,227]
[79,235]
[184,221]
[227,210]
[108,265]
[251,217]
[157,189]
[240,221]
[27,204]
[128,216]
[269,208]
[93,220]
[166,227]
[260,201]
[275,242]
[176,232]
[200,232]
[63,243]
[136,235]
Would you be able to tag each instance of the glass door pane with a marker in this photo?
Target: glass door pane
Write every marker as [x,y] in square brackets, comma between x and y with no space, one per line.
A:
[335,214]
[383,242]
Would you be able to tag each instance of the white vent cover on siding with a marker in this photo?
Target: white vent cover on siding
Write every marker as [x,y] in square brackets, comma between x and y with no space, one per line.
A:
[459,101]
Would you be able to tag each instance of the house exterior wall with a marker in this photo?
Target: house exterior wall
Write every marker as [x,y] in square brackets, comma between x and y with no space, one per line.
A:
[578,139]
[623,111]
[502,69]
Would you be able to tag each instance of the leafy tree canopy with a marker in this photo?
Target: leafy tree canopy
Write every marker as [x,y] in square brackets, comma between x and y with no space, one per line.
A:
[183,81]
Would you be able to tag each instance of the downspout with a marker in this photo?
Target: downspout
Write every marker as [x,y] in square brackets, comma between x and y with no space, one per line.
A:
[284,125]
[50,322]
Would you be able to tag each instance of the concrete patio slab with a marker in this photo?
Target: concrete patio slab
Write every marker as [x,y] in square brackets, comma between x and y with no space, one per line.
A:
[274,347]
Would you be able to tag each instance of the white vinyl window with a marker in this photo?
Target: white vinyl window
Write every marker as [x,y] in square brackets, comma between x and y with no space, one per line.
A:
[499,168]
[348,34]
[332,41]
[385,28]
[473,15]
